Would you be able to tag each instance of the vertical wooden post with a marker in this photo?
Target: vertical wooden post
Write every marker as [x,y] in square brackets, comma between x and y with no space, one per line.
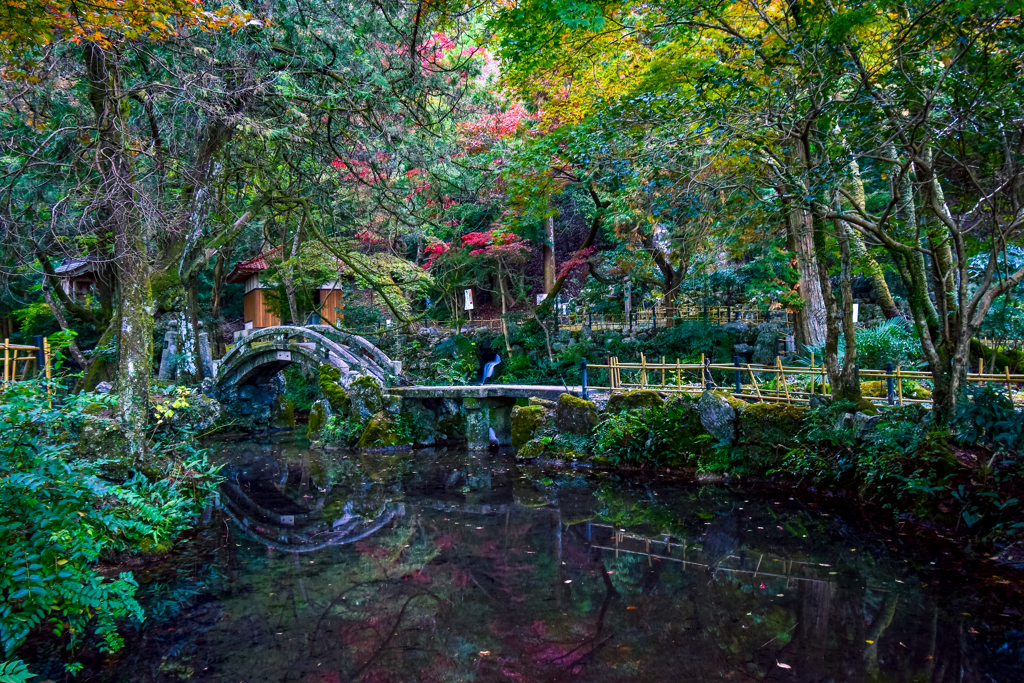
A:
[663,372]
[899,385]
[1009,389]
[7,343]
[643,371]
[981,366]
[812,372]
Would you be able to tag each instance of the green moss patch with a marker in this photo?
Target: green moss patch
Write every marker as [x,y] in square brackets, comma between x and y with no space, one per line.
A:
[631,400]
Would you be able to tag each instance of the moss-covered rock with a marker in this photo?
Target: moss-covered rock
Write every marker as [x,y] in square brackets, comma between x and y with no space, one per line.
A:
[365,398]
[573,415]
[543,402]
[318,415]
[527,423]
[767,431]
[100,437]
[631,400]
[282,413]
[331,390]
[879,389]
[423,421]
[383,431]
[719,412]
[452,426]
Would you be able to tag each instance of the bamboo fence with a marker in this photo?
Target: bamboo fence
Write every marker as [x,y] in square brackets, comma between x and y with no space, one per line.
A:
[21,362]
[774,383]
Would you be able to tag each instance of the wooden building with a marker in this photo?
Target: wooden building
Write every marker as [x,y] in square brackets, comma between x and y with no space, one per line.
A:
[256,314]
[76,277]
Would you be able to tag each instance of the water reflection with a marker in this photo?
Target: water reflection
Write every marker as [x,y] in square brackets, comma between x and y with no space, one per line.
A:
[325,567]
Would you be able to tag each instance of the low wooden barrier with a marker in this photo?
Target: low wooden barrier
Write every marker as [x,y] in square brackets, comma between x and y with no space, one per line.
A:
[760,383]
[23,362]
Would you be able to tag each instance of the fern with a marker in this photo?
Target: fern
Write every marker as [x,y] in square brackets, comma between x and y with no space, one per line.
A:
[14,672]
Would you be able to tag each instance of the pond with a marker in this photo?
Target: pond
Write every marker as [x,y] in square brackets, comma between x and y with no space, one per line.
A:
[328,566]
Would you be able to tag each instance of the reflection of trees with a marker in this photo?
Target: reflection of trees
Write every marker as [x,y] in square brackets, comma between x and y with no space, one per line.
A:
[426,593]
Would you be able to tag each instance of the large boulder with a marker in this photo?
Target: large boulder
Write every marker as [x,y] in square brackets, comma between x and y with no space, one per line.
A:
[383,431]
[328,379]
[631,400]
[767,431]
[527,422]
[718,414]
[365,398]
[766,348]
[573,415]
[318,415]
[424,423]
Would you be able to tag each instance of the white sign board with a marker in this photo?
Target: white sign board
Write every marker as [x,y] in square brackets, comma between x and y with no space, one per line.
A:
[284,355]
[856,312]
[469,300]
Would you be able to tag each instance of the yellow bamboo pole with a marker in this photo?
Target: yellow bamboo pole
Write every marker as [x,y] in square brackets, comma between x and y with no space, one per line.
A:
[49,373]
[981,366]
[679,377]
[899,385]
[782,376]
[812,372]
[1009,390]
[663,372]
[754,380]
[7,343]
[643,371]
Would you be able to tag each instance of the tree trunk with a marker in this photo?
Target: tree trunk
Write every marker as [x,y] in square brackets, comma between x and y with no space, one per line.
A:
[868,265]
[809,321]
[549,254]
[118,194]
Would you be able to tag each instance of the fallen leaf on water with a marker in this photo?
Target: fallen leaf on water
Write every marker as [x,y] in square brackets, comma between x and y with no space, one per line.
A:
[762,585]
[870,642]
[484,653]
[971,630]
[631,608]
[784,666]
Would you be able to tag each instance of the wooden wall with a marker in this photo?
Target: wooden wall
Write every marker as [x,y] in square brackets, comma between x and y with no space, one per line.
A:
[331,299]
[254,311]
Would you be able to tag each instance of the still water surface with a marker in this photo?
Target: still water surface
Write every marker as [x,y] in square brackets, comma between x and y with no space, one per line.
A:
[326,566]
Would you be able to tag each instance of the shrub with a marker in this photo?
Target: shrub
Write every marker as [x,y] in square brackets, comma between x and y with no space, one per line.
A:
[664,435]
[59,515]
[988,417]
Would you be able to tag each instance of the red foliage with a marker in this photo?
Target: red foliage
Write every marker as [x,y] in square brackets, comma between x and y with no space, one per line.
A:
[577,260]
[479,135]
[369,237]
[434,251]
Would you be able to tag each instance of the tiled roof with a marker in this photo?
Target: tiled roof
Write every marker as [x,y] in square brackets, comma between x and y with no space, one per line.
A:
[244,269]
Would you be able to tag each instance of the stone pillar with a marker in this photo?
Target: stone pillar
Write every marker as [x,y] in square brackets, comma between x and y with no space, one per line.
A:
[205,355]
[501,422]
[478,424]
[168,365]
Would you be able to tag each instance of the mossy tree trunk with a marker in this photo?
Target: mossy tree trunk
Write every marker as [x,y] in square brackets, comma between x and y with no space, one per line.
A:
[118,193]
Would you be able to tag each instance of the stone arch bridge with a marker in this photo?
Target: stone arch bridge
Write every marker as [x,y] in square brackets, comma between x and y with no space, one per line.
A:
[257,357]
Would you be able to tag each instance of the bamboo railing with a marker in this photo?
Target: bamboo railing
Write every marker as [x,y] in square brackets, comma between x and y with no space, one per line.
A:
[775,383]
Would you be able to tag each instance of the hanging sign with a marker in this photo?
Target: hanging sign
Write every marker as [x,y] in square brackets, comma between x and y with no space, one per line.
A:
[856,312]
[469,300]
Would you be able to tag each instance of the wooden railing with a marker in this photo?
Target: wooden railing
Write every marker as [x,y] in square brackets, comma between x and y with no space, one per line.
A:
[760,383]
[23,362]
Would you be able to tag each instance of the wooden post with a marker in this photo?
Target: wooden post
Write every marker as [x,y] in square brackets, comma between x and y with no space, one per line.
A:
[899,385]
[981,366]
[663,372]
[782,377]
[643,371]
[812,372]
[1009,390]
[679,377]
[756,388]
[7,343]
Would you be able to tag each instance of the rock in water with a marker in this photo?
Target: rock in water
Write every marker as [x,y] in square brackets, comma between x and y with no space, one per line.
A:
[574,415]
